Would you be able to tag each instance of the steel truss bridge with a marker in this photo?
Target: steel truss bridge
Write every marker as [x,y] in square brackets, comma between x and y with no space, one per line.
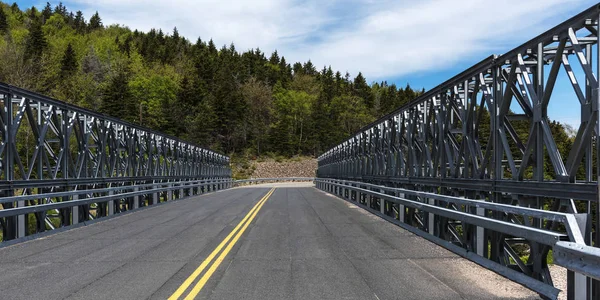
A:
[453,166]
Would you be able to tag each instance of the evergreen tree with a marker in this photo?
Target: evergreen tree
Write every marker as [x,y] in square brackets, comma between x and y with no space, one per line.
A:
[15,8]
[274,60]
[362,89]
[33,14]
[126,46]
[309,68]
[36,41]
[285,72]
[117,98]
[298,68]
[60,9]
[95,22]
[182,115]
[212,50]
[46,12]
[79,22]
[3,21]
[176,34]
[71,19]
[69,62]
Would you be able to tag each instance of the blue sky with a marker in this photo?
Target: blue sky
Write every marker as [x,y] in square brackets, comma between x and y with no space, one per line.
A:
[418,42]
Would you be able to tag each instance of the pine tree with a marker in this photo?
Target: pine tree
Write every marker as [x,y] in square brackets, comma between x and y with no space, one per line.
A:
[117,100]
[15,8]
[309,68]
[176,34]
[95,22]
[298,69]
[274,59]
[33,14]
[60,9]
[46,12]
[79,22]
[327,84]
[212,49]
[362,90]
[71,20]
[285,72]
[3,21]
[126,46]
[69,62]
[191,103]
[36,41]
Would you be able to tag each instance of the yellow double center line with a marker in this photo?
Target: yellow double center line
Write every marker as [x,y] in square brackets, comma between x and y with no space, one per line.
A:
[238,233]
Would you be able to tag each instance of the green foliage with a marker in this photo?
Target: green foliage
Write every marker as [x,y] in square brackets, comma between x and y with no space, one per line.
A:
[259,100]
[292,110]
[156,94]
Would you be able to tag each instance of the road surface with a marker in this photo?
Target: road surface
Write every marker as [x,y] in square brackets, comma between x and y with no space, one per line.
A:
[282,241]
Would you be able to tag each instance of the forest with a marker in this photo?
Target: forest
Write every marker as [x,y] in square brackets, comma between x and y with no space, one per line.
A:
[236,102]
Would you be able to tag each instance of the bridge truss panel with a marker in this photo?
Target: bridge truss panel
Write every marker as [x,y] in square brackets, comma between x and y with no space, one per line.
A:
[48,146]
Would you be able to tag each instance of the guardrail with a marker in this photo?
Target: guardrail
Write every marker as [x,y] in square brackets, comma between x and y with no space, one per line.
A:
[579,258]
[69,208]
[275,179]
[433,217]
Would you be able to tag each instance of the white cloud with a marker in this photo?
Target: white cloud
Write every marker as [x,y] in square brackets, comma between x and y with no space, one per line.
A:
[381,38]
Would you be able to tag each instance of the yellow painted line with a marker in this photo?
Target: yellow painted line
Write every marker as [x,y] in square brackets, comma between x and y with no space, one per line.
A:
[184,286]
[198,287]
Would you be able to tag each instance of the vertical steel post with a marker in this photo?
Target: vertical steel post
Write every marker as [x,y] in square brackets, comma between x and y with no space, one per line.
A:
[431,218]
[155,195]
[136,198]
[75,211]
[480,234]
[401,208]
[382,203]
[111,204]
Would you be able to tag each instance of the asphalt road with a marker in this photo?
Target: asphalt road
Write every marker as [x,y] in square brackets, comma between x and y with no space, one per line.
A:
[300,244]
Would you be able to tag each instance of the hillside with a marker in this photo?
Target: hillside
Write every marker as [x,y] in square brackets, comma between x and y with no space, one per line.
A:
[215,96]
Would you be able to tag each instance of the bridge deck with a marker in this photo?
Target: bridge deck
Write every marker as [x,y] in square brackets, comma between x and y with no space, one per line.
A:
[303,244]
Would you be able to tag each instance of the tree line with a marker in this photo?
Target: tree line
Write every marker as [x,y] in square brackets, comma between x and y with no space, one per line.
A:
[233,101]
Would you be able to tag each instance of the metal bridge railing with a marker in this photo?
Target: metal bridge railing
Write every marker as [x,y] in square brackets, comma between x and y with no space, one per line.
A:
[433,216]
[76,206]
[578,257]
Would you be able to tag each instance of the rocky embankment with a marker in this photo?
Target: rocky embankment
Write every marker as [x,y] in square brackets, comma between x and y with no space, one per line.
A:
[295,167]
